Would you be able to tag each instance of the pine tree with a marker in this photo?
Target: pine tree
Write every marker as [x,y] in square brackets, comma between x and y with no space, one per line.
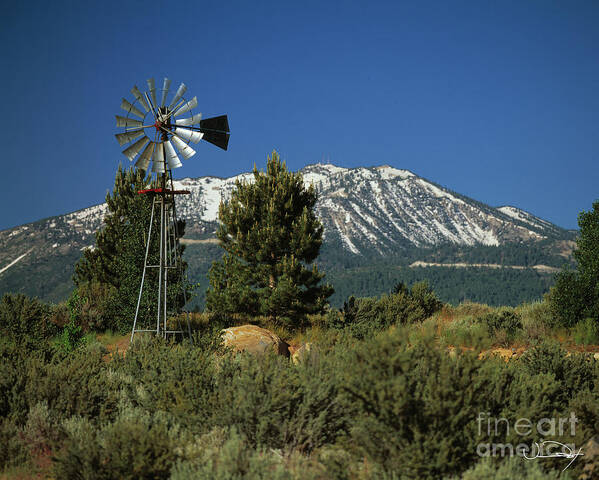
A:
[118,257]
[270,235]
[575,295]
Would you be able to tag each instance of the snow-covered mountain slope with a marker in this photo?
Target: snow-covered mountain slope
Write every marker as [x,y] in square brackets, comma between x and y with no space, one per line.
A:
[529,219]
[366,212]
[382,207]
[365,209]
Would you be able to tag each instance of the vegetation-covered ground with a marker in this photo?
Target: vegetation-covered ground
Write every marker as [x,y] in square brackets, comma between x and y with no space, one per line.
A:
[388,392]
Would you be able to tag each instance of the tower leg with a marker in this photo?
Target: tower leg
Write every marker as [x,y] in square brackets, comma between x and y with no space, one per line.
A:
[165,264]
[169,259]
[160,266]
[143,275]
[180,264]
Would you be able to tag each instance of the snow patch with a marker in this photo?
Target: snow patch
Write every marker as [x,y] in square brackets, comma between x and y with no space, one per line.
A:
[387,172]
[14,261]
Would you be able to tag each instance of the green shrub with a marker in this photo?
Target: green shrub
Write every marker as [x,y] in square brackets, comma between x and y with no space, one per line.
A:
[568,298]
[41,433]
[15,365]
[135,446]
[574,372]
[23,318]
[510,469]
[503,323]
[232,458]
[466,331]
[425,298]
[273,404]
[12,450]
[472,309]
[77,384]
[70,338]
[537,320]
[170,377]
[414,408]
[586,332]
[365,316]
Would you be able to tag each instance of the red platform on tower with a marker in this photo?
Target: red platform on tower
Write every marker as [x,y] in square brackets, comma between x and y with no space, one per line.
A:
[164,190]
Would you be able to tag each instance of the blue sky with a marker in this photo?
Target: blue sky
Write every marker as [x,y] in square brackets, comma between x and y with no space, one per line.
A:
[495,100]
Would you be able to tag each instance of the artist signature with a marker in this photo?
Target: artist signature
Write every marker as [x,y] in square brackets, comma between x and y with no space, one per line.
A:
[547,452]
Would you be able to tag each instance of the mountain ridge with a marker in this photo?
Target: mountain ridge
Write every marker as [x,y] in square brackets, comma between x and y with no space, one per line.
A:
[366,212]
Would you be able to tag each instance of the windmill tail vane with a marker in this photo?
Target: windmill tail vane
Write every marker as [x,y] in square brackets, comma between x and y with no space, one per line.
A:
[161,133]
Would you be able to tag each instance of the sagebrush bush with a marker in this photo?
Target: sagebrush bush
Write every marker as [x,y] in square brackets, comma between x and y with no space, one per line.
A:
[586,332]
[575,372]
[232,458]
[537,320]
[272,404]
[88,306]
[170,377]
[41,433]
[414,408]
[25,319]
[465,331]
[12,450]
[511,468]
[472,309]
[503,323]
[74,385]
[365,316]
[136,445]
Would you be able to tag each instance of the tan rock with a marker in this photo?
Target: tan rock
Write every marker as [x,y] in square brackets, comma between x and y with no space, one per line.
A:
[304,351]
[253,339]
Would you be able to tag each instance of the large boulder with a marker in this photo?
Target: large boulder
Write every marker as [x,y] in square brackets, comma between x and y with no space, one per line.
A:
[305,351]
[253,339]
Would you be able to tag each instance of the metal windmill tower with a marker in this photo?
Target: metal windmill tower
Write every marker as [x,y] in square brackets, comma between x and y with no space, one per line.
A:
[170,135]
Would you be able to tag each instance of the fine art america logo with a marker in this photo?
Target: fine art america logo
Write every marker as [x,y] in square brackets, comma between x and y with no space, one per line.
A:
[560,428]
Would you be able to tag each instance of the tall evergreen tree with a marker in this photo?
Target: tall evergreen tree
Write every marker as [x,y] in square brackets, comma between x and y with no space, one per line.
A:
[576,293]
[270,235]
[118,257]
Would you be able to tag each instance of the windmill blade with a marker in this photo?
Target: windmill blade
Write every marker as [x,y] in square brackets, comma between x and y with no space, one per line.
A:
[217,124]
[152,89]
[132,151]
[144,159]
[197,118]
[137,94]
[166,85]
[158,161]
[180,92]
[220,139]
[186,107]
[127,122]
[127,137]
[171,156]
[128,107]
[185,150]
[189,135]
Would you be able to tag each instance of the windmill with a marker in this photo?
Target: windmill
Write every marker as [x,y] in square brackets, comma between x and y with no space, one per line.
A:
[159,133]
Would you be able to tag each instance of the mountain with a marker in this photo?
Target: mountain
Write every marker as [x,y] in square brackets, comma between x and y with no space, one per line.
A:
[370,215]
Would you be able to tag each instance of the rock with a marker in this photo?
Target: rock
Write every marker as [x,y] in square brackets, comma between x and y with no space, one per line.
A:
[293,349]
[303,352]
[253,339]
